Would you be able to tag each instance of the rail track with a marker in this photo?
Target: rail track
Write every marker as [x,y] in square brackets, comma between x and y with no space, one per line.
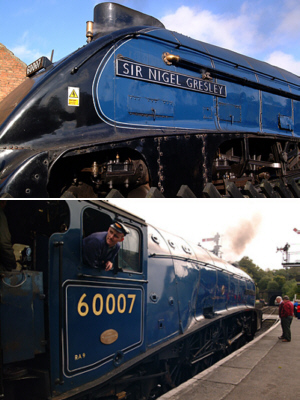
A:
[269,318]
[269,311]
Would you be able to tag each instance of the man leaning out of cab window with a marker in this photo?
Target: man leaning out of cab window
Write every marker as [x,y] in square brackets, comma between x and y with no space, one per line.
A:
[101,248]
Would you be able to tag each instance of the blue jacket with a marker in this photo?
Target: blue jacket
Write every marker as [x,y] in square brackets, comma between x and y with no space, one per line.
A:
[95,250]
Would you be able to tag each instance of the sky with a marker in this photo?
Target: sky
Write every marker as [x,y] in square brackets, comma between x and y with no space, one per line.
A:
[264,29]
[248,227]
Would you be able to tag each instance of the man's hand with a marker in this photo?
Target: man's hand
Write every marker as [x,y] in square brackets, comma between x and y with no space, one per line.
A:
[108,266]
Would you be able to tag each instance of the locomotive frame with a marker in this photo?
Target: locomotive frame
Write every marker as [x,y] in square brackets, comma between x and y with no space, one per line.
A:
[140,107]
[168,309]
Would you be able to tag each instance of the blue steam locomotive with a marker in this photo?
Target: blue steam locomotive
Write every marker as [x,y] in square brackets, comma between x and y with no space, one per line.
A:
[140,107]
[167,310]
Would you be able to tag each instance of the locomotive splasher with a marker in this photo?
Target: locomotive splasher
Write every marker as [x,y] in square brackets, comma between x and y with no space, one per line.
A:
[139,107]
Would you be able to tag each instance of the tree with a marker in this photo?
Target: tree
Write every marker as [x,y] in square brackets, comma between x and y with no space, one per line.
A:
[280,280]
[263,283]
[247,265]
[273,286]
[290,288]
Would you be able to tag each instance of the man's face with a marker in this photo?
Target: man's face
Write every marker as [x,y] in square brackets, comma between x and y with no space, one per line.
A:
[113,237]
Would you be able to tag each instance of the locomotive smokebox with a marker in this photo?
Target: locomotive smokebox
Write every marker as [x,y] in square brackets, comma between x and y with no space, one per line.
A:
[109,17]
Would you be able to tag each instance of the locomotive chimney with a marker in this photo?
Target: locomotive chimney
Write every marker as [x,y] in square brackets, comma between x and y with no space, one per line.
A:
[109,17]
[89,31]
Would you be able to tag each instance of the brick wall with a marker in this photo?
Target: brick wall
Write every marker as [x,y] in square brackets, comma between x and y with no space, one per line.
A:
[12,71]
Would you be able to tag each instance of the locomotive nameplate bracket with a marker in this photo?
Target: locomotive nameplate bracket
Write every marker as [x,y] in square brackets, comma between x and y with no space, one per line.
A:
[133,70]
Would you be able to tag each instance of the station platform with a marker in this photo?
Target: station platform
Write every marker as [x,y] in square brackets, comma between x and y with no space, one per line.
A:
[264,369]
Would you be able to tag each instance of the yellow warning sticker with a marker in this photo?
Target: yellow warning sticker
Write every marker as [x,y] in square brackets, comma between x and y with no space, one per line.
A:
[73,96]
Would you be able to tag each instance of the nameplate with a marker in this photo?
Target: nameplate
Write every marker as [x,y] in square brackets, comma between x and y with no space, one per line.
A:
[146,73]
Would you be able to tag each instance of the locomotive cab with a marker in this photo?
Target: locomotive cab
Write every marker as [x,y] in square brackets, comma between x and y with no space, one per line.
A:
[61,319]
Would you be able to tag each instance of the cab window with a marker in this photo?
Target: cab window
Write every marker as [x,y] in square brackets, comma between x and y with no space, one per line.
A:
[129,256]
[95,221]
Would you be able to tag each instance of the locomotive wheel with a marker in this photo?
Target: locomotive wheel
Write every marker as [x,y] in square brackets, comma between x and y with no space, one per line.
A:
[140,192]
[196,353]
[81,190]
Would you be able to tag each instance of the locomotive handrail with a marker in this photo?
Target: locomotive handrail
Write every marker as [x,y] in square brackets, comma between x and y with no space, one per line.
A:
[195,66]
[116,38]
[210,56]
[222,74]
[202,263]
[112,278]
[76,68]
[244,81]
[60,245]
[181,258]
[105,43]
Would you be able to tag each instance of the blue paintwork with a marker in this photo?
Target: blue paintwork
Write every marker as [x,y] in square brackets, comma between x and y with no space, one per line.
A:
[129,102]
[86,358]
[162,303]
[22,316]
[196,280]
[84,349]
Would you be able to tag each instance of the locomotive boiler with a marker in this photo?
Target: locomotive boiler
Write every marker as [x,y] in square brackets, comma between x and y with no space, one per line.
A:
[167,310]
[140,107]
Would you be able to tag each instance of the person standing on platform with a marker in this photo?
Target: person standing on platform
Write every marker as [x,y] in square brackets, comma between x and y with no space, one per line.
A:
[280,304]
[286,312]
